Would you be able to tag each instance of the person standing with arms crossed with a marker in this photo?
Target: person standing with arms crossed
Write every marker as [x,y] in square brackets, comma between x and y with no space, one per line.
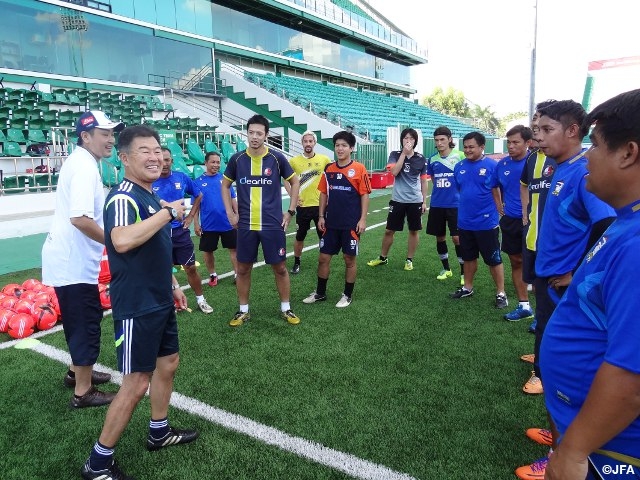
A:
[259,219]
[309,167]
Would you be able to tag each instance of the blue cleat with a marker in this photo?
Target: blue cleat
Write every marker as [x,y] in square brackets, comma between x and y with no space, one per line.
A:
[532,327]
[518,314]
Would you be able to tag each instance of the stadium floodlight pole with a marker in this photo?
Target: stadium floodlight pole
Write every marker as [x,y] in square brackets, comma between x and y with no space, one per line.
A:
[532,84]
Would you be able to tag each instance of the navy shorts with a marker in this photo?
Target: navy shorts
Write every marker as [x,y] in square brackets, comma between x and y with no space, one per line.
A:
[438,219]
[397,213]
[274,246]
[481,242]
[141,340]
[334,240]
[528,265]
[304,216]
[209,240]
[512,235]
[183,250]
[81,316]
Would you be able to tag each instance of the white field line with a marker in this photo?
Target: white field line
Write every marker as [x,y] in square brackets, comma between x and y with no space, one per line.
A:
[344,462]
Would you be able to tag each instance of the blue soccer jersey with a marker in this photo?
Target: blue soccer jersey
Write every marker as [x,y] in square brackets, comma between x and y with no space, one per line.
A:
[507,174]
[132,294]
[569,214]
[444,193]
[258,188]
[213,216]
[596,321]
[475,180]
[175,187]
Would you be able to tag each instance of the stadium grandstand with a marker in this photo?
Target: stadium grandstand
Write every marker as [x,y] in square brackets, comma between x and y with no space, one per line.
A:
[196,70]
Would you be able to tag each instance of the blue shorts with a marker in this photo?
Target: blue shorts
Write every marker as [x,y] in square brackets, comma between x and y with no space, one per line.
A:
[333,240]
[183,250]
[274,246]
[141,340]
[81,312]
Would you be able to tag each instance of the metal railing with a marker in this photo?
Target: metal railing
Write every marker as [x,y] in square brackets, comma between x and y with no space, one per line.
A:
[202,81]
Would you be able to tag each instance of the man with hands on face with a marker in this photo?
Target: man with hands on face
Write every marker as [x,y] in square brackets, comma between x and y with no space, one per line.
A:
[409,197]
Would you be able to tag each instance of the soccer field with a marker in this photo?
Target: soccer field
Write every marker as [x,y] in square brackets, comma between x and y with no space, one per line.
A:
[404,383]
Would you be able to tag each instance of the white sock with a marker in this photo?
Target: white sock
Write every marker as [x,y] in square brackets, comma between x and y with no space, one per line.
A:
[244,308]
[199,298]
[284,306]
[214,274]
[525,305]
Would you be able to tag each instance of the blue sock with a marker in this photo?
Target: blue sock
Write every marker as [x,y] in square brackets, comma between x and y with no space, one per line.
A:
[159,428]
[101,457]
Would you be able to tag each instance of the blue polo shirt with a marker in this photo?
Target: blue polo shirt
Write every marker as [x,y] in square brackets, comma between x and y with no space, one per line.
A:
[596,321]
[569,215]
[213,216]
[507,175]
[175,187]
[444,193]
[474,180]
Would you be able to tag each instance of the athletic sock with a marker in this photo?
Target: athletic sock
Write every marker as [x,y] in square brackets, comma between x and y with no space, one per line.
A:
[321,289]
[296,260]
[285,306]
[383,258]
[443,253]
[525,305]
[244,308]
[460,260]
[101,457]
[71,373]
[348,288]
[158,428]
[199,298]
[409,259]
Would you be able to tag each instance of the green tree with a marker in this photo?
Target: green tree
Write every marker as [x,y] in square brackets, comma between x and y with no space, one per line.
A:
[450,102]
[485,119]
[508,118]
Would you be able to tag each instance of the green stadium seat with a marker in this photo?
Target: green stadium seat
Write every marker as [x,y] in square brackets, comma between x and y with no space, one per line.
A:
[3,138]
[198,170]
[60,98]
[74,99]
[14,184]
[209,146]
[21,113]
[39,182]
[36,136]
[16,94]
[31,96]
[16,135]
[176,152]
[11,149]
[240,145]
[227,151]
[195,153]
[46,98]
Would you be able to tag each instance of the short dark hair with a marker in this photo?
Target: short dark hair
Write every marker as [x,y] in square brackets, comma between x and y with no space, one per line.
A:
[525,132]
[412,132]
[346,136]
[567,112]
[617,119]
[129,134]
[165,149]
[477,136]
[259,120]
[209,154]
[544,104]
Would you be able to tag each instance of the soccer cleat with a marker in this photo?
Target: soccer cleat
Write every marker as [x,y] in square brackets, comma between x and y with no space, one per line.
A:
[174,437]
[462,292]
[534,471]
[408,265]
[444,274]
[377,261]
[501,300]
[239,318]
[520,313]
[97,378]
[314,297]
[533,385]
[532,327]
[295,269]
[111,473]
[213,280]
[290,317]
[528,357]
[205,307]
[540,435]
[344,301]
[93,398]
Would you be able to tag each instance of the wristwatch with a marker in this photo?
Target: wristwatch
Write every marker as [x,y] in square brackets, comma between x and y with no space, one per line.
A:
[175,287]
[172,211]
[291,212]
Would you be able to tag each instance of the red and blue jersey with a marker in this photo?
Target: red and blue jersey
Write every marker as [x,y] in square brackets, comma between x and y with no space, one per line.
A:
[344,186]
[258,188]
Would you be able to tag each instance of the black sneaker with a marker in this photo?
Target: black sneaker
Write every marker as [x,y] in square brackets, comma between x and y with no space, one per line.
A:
[295,269]
[461,293]
[111,473]
[174,437]
[97,378]
[93,398]
[501,300]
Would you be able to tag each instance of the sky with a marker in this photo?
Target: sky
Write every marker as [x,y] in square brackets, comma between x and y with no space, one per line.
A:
[483,48]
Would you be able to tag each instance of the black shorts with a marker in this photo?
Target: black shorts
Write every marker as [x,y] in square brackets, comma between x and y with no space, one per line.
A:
[81,312]
[141,340]
[304,216]
[481,242]
[397,213]
[183,250]
[209,240]
[274,246]
[334,240]
[438,219]
[512,235]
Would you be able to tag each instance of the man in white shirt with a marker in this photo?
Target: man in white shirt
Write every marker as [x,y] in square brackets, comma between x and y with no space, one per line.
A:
[72,251]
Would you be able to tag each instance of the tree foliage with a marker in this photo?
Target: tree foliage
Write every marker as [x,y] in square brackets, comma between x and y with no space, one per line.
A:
[450,102]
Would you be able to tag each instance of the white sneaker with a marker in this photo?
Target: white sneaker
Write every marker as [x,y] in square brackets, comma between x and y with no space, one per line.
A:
[344,301]
[314,297]
[205,307]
